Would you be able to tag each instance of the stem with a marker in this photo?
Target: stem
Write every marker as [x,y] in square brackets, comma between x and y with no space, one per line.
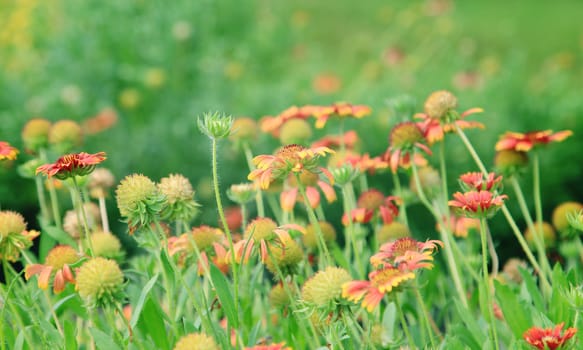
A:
[80,207]
[103,212]
[352,245]
[42,200]
[227,231]
[425,316]
[489,303]
[314,221]
[363,182]
[537,195]
[493,254]
[404,323]
[244,216]
[403,213]
[52,194]
[258,194]
[341,135]
[506,212]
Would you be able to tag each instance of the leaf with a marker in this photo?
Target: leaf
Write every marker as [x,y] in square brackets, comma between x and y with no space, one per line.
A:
[225,296]
[389,320]
[474,331]
[103,341]
[516,313]
[151,322]
[532,289]
[137,311]
[341,259]
[59,235]
[70,335]
[19,342]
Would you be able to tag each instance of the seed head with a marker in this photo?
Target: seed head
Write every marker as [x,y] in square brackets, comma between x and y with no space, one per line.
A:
[561,213]
[286,256]
[13,235]
[391,232]
[311,240]
[278,297]
[244,130]
[139,200]
[439,104]
[324,289]
[261,229]
[65,135]
[35,134]
[60,256]
[106,245]
[180,198]
[100,282]
[510,162]
[99,182]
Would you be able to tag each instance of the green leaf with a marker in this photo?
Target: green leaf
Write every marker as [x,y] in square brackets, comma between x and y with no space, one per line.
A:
[50,332]
[532,289]
[151,322]
[70,335]
[475,333]
[103,341]
[59,235]
[516,313]
[341,259]
[19,342]
[225,296]
[141,300]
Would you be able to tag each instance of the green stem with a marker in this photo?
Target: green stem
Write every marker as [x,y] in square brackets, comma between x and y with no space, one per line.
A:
[314,221]
[103,214]
[244,216]
[489,303]
[274,206]
[80,207]
[404,323]
[258,194]
[341,135]
[227,231]
[425,316]
[403,213]
[506,212]
[352,246]
[11,282]
[42,200]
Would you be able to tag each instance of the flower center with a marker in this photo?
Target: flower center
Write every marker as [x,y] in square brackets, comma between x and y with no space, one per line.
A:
[60,256]
[289,152]
[405,135]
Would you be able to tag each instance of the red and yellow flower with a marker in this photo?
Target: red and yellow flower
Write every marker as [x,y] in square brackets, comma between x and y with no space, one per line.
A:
[435,129]
[69,165]
[479,182]
[404,140]
[477,204]
[549,338]
[7,151]
[273,125]
[349,139]
[406,254]
[341,110]
[525,142]
[278,346]
[311,182]
[58,260]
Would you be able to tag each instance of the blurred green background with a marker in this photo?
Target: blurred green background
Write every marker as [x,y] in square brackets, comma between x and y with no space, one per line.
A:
[161,64]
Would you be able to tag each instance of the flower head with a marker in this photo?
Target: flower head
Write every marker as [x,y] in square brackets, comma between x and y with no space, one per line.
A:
[13,235]
[404,139]
[340,110]
[407,254]
[244,130]
[278,346]
[288,159]
[510,162]
[273,125]
[180,203]
[215,125]
[196,341]
[549,338]
[139,200]
[479,182]
[284,257]
[58,260]
[349,139]
[477,204]
[311,183]
[106,245]
[310,239]
[525,142]
[7,152]
[562,212]
[69,165]
[549,235]
[378,284]
[392,231]
[35,134]
[100,282]
[295,131]
[242,193]
[323,290]
[65,135]
[439,104]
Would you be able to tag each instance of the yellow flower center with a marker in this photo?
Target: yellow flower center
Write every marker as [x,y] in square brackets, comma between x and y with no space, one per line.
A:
[405,135]
[261,229]
[61,255]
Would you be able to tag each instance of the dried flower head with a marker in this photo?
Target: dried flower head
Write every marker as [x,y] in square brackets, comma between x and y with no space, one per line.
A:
[69,165]
[512,269]
[549,338]
[100,282]
[180,203]
[65,135]
[71,223]
[35,134]
[439,104]
[58,260]
[324,289]
[196,341]
[215,125]
[13,235]
[7,152]
[139,200]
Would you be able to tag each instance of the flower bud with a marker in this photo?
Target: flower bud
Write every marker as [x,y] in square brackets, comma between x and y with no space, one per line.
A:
[215,125]
[324,289]
[139,200]
[35,134]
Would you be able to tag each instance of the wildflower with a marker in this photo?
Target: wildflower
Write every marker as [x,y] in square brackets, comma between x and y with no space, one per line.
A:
[278,346]
[273,125]
[284,257]
[404,139]
[309,181]
[525,142]
[244,130]
[13,235]
[69,165]
[460,226]
[203,237]
[441,118]
[358,215]
[139,200]
[180,203]
[7,152]
[310,238]
[105,119]
[407,254]
[325,84]
[264,231]
[379,283]
[295,131]
[58,260]
[324,289]
[349,140]
[392,231]
[35,134]
[479,182]
[106,245]
[548,232]
[477,204]
[196,341]
[386,207]
[100,282]
[562,212]
[65,135]
[549,338]
[129,98]
[99,182]
[242,193]
[234,217]
[288,159]
[340,110]
[510,162]
[215,125]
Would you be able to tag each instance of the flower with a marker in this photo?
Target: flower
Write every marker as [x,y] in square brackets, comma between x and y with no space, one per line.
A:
[7,152]
[106,245]
[295,131]
[404,139]
[139,200]
[279,297]
[284,257]
[103,120]
[65,135]
[278,346]
[180,203]
[549,235]
[309,181]
[360,162]
[358,215]
[244,130]
[196,341]
[288,159]
[391,232]
[242,193]
[35,134]
[273,125]
[13,235]
[69,165]
[510,162]
[477,204]
[100,282]
[562,212]
[349,139]
[435,129]
[549,338]
[203,237]
[479,182]
[57,260]
[461,226]
[323,290]
[71,223]
[340,110]
[373,290]
[525,142]
[407,254]
[439,104]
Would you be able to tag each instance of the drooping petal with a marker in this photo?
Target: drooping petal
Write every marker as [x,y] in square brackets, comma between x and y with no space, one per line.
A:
[288,199]
[328,190]
[44,277]
[313,196]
